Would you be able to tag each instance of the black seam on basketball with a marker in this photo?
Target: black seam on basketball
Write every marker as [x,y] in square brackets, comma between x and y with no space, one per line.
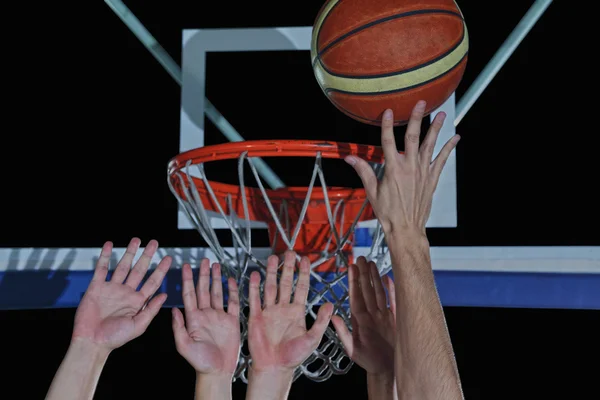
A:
[376,22]
[317,58]
[359,117]
[329,90]
[402,71]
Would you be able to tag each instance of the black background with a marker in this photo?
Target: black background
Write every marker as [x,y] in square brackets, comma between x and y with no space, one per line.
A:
[93,119]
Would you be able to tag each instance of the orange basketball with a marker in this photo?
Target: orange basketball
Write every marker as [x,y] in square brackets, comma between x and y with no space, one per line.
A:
[370,55]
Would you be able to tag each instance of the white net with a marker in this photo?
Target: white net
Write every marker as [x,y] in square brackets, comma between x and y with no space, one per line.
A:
[288,221]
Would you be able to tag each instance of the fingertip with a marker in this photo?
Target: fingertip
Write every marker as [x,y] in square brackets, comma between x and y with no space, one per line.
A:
[186,271]
[167,261]
[441,116]
[420,106]
[290,256]
[304,263]
[456,139]
[351,160]
[388,115]
[273,260]
[328,307]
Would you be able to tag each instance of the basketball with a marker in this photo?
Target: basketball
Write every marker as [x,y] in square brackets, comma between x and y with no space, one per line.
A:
[370,55]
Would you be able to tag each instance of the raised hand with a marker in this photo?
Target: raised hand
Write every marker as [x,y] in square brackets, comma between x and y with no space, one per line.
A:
[277,334]
[210,337]
[372,340]
[112,313]
[402,200]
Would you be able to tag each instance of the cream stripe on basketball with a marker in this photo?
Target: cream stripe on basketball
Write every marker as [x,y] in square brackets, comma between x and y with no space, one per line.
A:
[394,82]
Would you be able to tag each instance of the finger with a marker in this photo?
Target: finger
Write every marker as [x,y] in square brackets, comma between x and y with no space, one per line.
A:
[124,264]
[254,294]
[378,289]
[188,293]
[357,303]
[144,317]
[366,287]
[233,307]
[343,333]
[438,164]
[202,289]
[323,317]
[413,130]
[271,281]
[179,331]
[389,284]
[216,293]
[301,293]
[103,263]
[366,175]
[388,141]
[141,266]
[431,139]
[287,277]
[155,280]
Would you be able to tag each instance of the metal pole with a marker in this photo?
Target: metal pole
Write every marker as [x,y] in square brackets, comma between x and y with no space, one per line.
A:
[502,55]
[140,31]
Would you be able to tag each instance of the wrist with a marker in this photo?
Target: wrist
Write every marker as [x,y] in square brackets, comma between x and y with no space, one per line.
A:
[269,384]
[216,377]
[85,348]
[381,377]
[278,373]
[213,386]
[405,238]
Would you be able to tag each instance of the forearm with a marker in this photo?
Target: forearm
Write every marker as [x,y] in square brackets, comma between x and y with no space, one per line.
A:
[79,372]
[380,387]
[214,387]
[269,385]
[424,361]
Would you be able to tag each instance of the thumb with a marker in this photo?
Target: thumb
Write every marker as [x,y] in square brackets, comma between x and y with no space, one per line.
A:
[343,333]
[366,175]
[144,317]
[320,325]
[179,331]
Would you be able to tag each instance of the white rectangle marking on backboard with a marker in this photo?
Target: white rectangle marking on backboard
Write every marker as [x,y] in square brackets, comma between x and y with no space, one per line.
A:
[197,42]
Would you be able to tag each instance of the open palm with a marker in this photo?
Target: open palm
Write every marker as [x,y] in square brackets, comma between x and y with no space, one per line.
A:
[372,341]
[277,334]
[210,337]
[111,313]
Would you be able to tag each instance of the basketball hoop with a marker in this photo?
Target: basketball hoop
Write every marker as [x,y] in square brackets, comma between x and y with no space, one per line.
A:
[315,221]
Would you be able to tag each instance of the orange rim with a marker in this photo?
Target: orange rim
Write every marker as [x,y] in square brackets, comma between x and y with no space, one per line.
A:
[276,148]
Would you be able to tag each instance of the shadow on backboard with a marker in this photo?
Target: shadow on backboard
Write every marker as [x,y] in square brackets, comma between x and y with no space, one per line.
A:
[49,278]
[41,281]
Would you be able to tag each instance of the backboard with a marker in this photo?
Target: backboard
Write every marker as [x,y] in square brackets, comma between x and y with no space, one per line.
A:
[499,232]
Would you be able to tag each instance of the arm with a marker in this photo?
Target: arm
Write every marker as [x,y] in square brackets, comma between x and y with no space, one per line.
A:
[372,341]
[79,372]
[277,336]
[425,365]
[209,339]
[425,362]
[380,387]
[111,313]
